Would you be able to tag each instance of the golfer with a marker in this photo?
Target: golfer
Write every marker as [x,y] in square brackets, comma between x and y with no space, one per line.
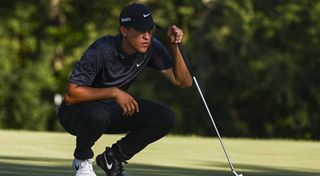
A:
[97,101]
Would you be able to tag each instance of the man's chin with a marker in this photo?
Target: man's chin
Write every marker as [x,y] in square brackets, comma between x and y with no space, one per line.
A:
[143,50]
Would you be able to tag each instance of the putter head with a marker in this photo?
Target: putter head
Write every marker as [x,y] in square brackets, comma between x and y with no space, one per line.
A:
[236,174]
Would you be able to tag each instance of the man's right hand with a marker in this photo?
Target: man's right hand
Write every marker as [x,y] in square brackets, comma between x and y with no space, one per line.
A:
[128,104]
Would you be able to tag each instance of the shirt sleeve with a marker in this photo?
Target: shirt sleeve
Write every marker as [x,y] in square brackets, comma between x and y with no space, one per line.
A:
[86,70]
[160,58]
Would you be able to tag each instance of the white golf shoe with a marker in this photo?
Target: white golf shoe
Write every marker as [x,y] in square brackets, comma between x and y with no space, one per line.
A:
[83,167]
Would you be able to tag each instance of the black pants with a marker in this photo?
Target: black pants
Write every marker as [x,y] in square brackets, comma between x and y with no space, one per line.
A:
[89,120]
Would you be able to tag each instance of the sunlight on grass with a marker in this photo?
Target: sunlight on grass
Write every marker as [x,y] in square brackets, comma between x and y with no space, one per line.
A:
[42,153]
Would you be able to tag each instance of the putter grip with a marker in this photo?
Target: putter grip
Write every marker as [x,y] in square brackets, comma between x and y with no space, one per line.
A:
[185,58]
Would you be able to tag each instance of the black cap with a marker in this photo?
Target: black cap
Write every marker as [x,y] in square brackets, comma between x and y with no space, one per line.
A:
[137,16]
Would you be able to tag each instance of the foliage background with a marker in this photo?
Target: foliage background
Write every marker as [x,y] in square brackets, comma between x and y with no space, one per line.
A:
[256,62]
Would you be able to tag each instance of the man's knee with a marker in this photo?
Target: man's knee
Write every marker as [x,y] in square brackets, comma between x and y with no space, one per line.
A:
[167,117]
[97,120]
[95,116]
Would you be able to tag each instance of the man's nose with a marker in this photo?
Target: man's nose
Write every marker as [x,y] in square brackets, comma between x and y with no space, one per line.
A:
[146,35]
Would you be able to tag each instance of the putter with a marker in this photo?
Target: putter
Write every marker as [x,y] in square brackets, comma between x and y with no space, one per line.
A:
[184,56]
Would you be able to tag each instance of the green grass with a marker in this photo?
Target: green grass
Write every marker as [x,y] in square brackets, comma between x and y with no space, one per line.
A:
[50,154]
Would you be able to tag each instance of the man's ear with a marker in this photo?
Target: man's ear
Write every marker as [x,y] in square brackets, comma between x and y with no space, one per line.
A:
[123,31]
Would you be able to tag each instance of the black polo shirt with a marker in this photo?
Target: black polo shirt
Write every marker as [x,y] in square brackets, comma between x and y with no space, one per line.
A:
[104,64]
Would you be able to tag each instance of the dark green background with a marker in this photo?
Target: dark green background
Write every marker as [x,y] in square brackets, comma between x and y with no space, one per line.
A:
[256,61]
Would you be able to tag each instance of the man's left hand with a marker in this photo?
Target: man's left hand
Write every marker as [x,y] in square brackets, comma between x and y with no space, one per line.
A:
[174,34]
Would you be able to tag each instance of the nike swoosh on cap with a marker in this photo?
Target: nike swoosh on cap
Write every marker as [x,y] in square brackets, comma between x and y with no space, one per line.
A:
[146,15]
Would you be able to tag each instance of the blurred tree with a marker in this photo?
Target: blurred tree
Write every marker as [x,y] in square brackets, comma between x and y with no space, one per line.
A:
[25,76]
[262,72]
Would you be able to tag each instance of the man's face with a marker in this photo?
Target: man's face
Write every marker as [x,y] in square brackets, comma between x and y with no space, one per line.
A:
[137,40]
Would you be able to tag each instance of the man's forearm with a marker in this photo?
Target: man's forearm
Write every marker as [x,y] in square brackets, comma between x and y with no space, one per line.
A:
[77,94]
[180,70]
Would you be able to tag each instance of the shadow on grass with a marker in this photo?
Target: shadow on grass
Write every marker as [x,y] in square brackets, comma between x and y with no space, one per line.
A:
[40,166]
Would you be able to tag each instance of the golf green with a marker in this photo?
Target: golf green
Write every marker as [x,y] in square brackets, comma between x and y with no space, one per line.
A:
[50,154]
